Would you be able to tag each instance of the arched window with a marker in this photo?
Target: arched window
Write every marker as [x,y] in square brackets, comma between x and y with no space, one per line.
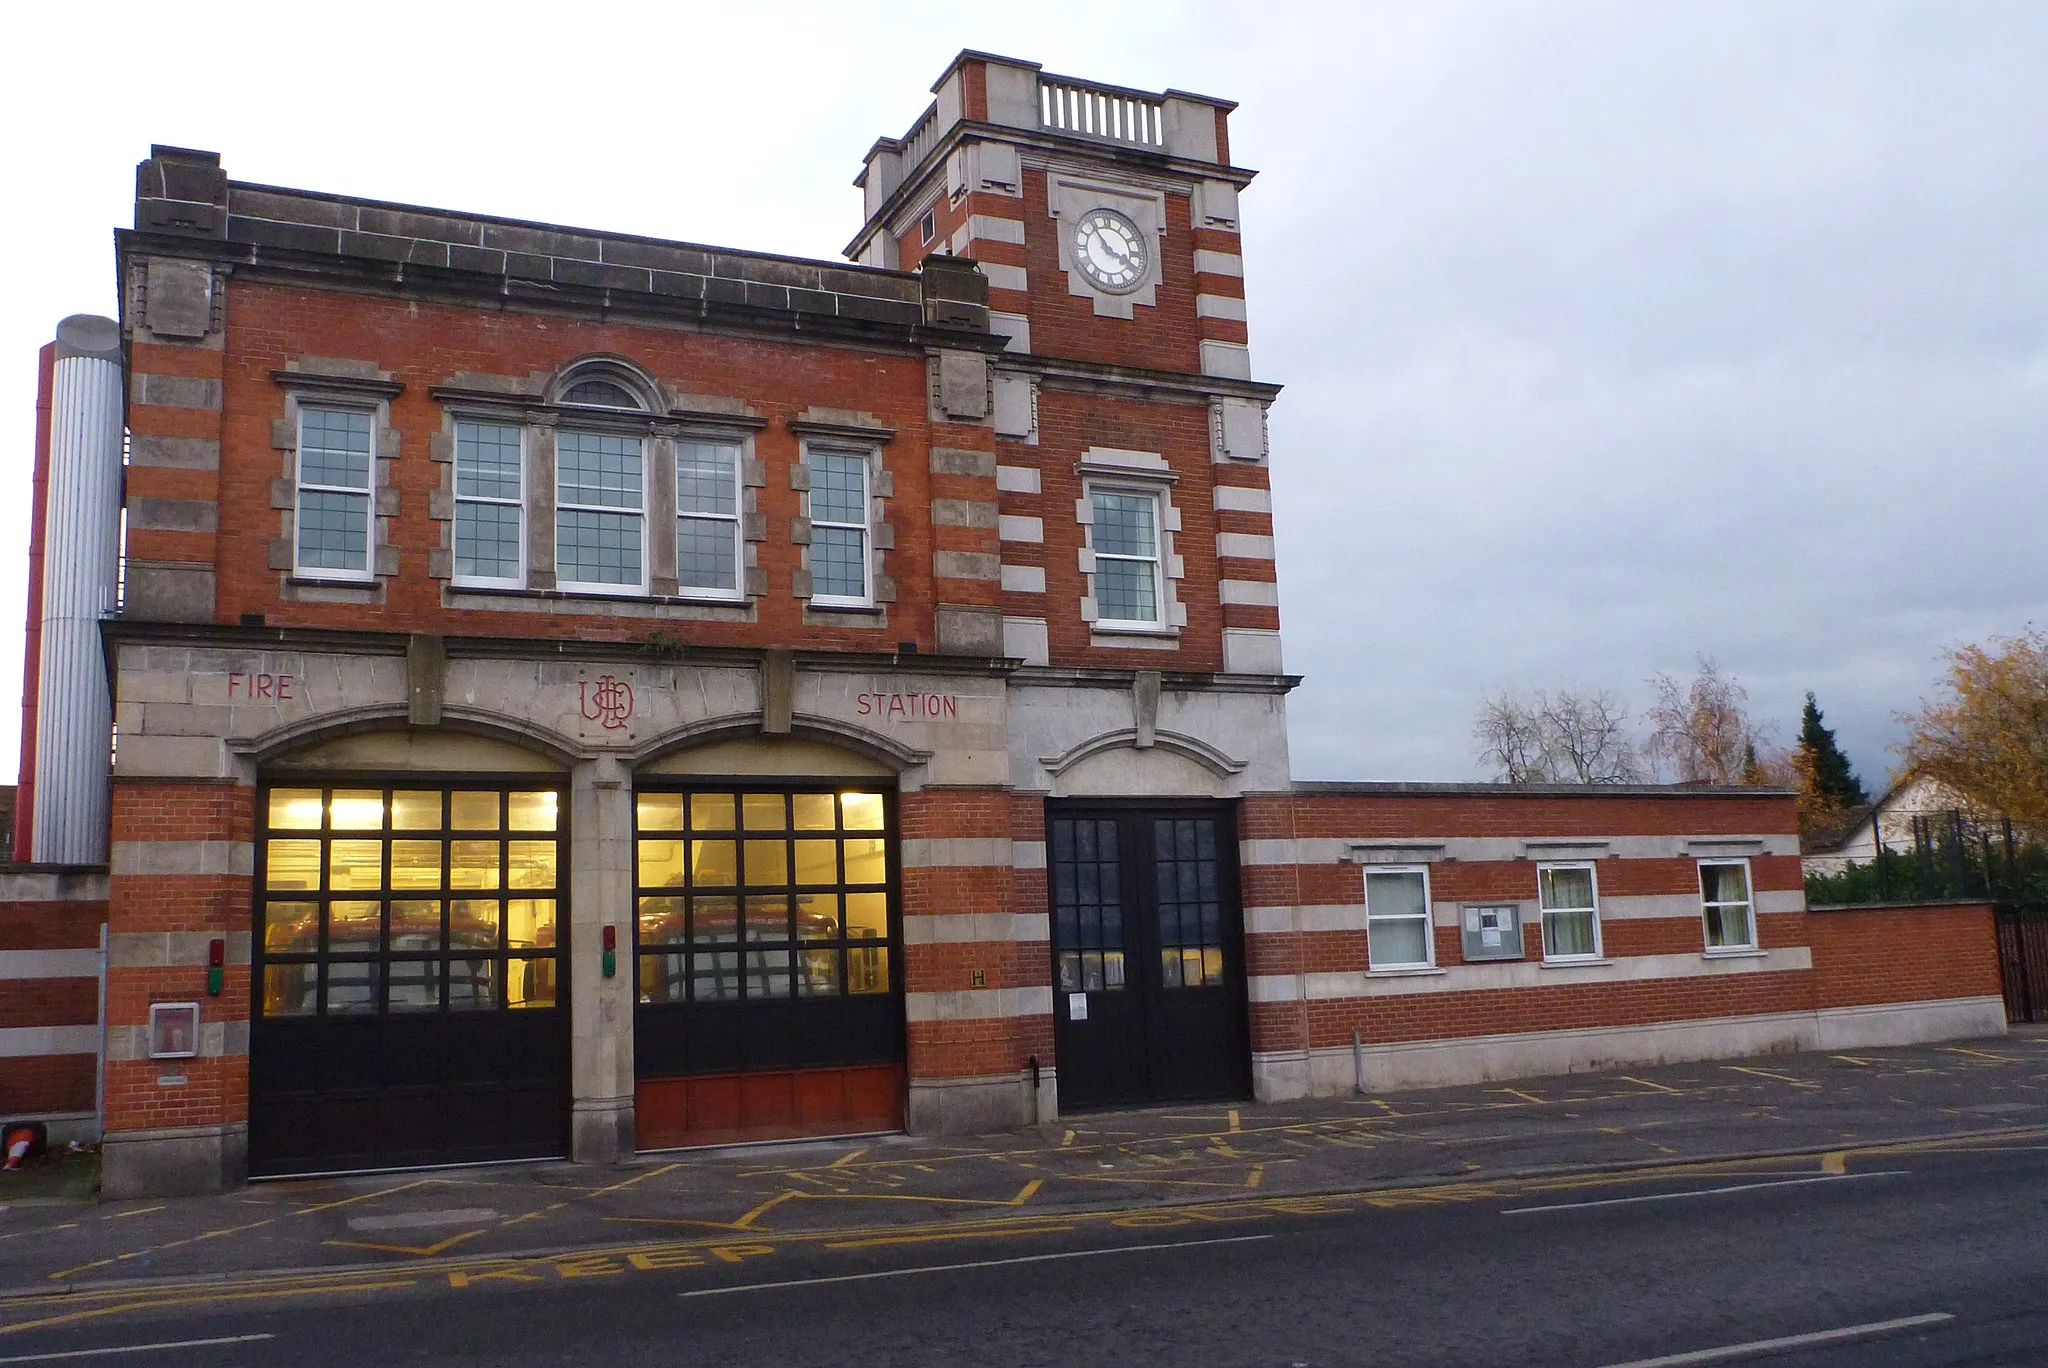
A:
[601,478]
[606,382]
[600,394]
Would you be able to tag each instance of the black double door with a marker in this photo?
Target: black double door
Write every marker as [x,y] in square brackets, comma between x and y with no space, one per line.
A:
[1148,954]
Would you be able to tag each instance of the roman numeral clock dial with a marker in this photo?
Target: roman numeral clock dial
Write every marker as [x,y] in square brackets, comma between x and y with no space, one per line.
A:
[1110,251]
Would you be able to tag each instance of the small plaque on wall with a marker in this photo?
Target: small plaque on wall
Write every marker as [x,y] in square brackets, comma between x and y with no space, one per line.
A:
[173,1030]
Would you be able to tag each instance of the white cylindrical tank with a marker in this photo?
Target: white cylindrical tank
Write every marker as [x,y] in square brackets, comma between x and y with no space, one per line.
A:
[81,548]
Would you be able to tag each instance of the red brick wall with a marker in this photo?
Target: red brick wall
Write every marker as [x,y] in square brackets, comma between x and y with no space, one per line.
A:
[1068,425]
[47,1083]
[981,1045]
[216,1088]
[1163,336]
[1905,954]
[422,344]
[1379,816]
[32,1084]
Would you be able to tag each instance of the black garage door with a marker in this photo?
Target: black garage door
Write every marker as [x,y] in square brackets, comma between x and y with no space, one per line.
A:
[409,986]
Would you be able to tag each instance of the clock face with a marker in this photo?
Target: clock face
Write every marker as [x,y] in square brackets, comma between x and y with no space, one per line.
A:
[1110,250]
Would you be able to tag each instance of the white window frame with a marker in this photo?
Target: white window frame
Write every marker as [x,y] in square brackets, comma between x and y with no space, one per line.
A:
[867,456]
[1748,906]
[1162,623]
[457,578]
[301,487]
[562,506]
[737,518]
[1544,911]
[1428,919]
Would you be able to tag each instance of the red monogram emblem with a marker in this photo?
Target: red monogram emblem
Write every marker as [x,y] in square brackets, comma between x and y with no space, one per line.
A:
[608,701]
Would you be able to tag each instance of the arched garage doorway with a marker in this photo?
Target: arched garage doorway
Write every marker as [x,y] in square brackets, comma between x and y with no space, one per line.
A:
[768,945]
[410,991]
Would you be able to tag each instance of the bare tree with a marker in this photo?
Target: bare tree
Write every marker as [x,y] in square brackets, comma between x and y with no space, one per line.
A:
[1510,737]
[1563,738]
[1701,731]
[1587,735]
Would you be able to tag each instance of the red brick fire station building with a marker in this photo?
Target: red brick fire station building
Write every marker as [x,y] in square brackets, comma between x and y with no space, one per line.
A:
[576,693]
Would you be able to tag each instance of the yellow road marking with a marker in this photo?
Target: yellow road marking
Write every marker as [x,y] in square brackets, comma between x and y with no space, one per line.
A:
[1235,1124]
[658,1255]
[764,1208]
[875,1241]
[366,1196]
[139,1211]
[1865,1063]
[1631,1078]
[149,1303]
[233,1230]
[1980,1054]
[1835,1162]
[532,1215]
[636,1178]
[1024,1194]
[843,1160]
[1766,1073]
[1258,1173]
[67,1272]
[417,1250]
[1067,1139]
[1517,1092]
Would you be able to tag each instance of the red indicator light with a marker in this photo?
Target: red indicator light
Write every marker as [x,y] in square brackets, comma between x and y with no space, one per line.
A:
[216,962]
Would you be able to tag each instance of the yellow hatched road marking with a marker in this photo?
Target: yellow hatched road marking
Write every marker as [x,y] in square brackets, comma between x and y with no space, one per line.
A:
[875,1241]
[366,1196]
[1766,1073]
[149,1303]
[843,1160]
[1631,1078]
[636,1178]
[417,1250]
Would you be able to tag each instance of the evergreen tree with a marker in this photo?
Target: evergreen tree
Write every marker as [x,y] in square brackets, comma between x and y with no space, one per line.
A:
[1834,782]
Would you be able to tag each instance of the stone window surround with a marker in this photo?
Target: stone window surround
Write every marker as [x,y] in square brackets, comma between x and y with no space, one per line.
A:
[660,432]
[363,393]
[841,438]
[1115,476]
[519,581]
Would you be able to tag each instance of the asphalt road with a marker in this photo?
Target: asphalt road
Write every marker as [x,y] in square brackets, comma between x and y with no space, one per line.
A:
[1951,1242]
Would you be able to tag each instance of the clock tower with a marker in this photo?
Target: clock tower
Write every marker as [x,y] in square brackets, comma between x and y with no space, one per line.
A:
[1105,223]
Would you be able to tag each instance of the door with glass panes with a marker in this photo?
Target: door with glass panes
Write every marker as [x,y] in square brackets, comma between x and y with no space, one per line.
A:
[410,994]
[767,963]
[1148,954]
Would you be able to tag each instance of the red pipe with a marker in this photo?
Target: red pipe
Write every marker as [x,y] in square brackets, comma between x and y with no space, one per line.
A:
[32,652]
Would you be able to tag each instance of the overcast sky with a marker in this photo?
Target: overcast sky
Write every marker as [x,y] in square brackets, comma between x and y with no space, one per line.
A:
[1612,333]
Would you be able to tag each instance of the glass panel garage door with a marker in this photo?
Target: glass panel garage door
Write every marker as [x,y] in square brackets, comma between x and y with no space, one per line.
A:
[409,980]
[767,944]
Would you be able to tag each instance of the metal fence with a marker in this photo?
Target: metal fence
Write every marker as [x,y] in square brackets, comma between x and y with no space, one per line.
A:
[2023,960]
